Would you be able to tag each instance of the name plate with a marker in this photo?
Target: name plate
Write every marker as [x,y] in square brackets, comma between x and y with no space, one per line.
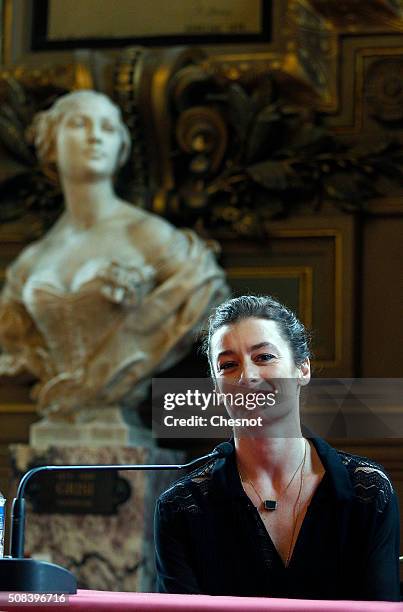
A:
[78,493]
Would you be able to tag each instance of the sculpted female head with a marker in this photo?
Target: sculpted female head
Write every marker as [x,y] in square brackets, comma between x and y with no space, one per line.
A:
[89,117]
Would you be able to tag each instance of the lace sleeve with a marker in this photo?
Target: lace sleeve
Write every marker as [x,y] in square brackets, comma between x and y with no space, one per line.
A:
[381,578]
[174,571]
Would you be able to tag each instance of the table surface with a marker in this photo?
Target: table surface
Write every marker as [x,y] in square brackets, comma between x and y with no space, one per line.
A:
[96,601]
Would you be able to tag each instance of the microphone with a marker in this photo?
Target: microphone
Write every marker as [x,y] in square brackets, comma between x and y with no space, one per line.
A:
[18,508]
[223,450]
[53,578]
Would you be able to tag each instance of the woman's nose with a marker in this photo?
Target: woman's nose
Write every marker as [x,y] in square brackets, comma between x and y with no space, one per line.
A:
[94,133]
[249,374]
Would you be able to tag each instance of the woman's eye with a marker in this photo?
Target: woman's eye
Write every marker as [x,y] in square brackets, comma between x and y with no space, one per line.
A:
[108,127]
[265,357]
[76,122]
[226,366]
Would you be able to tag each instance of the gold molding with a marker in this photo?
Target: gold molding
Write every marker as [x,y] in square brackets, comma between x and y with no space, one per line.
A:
[386,206]
[17,409]
[358,73]
[302,273]
[337,235]
[350,15]
[69,75]
[325,33]
[7,31]
[250,66]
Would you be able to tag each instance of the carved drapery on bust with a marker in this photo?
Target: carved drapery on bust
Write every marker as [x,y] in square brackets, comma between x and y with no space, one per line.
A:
[111,294]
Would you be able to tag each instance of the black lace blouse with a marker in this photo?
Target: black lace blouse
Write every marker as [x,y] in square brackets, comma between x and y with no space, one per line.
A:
[210,538]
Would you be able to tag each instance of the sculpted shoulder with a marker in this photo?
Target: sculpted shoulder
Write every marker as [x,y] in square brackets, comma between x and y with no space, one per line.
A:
[20,269]
[151,228]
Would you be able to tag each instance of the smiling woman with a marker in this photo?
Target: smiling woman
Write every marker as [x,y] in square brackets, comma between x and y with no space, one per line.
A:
[112,293]
[283,515]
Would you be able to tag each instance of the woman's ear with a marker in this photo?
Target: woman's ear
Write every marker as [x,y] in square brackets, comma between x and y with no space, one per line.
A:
[304,373]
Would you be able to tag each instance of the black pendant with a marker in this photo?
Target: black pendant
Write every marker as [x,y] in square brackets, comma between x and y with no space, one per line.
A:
[270,504]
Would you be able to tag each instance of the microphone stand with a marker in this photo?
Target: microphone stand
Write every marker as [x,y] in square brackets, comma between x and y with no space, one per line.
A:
[20,574]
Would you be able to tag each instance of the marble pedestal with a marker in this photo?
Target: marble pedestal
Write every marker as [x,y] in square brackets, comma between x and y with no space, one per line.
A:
[92,428]
[115,552]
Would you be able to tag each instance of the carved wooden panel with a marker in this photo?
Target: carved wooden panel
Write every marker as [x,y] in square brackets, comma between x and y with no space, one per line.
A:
[308,264]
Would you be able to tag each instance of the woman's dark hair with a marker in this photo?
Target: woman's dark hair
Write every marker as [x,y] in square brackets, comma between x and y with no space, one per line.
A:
[261,307]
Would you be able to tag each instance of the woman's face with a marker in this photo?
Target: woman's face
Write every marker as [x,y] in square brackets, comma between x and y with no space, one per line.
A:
[88,140]
[252,355]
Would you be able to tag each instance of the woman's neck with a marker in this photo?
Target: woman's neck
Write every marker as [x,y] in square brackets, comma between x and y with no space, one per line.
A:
[270,459]
[88,203]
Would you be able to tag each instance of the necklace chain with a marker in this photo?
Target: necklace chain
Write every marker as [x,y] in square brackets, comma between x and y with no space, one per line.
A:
[297,505]
[285,489]
[297,509]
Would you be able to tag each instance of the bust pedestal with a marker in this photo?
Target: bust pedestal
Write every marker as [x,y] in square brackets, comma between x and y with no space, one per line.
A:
[95,427]
[112,551]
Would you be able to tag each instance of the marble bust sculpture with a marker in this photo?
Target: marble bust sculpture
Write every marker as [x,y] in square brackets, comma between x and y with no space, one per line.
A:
[111,294]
